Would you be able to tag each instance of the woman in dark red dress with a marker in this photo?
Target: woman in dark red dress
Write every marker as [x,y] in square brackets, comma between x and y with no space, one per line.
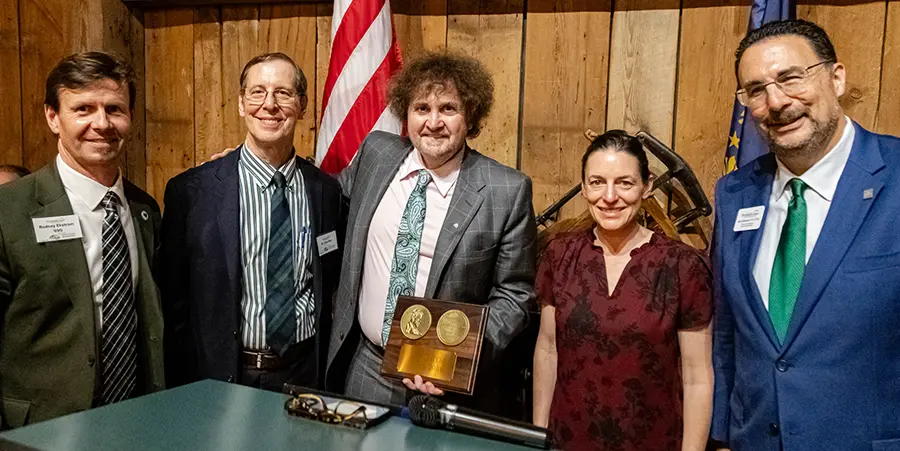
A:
[623,358]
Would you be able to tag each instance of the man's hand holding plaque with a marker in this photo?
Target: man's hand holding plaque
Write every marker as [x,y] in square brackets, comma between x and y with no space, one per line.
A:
[433,355]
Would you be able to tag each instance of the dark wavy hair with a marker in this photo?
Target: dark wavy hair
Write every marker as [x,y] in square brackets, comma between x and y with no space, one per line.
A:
[620,141]
[435,71]
[79,70]
[813,34]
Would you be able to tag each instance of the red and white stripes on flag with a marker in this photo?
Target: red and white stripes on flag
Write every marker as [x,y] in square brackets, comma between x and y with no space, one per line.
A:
[364,55]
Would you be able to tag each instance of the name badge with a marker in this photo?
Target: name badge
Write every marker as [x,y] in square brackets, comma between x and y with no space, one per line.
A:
[749,218]
[327,243]
[56,228]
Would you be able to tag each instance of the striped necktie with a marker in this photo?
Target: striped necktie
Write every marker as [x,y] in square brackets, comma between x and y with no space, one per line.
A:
[118,347]
[790,262]
[281,318]
[406,252]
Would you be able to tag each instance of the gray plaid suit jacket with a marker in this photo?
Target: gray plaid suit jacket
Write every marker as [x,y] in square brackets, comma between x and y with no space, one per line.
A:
[485,253]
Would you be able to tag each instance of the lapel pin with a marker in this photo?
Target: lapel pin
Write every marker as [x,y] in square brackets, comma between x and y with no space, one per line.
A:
[144,215]
[868,193]
[455,225]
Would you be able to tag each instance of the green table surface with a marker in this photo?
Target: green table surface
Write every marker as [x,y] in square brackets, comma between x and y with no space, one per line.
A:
[213,415]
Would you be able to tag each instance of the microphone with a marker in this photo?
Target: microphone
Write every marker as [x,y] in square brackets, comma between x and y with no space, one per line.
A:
[433,413]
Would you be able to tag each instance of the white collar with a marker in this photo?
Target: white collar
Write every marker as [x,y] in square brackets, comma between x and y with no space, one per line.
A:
[87,190]
[823,176]
[444,183]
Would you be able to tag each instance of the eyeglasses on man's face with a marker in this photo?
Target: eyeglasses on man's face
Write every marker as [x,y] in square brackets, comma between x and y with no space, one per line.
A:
[257,96]
[792,82]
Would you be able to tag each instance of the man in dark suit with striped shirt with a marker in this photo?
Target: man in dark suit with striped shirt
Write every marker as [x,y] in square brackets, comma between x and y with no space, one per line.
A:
[251,248]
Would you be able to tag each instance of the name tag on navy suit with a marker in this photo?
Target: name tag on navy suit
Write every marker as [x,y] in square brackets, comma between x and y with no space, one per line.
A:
[327,243]
[749,218]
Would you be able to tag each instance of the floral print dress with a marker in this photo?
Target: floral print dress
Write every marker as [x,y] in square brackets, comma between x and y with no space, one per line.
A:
[618,381]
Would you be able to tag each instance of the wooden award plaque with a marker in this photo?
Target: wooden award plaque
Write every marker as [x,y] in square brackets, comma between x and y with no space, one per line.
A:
[438,340]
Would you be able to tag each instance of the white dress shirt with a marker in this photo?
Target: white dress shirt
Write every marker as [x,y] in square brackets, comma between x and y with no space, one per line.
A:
[85,196]
[821,181]
[382,236]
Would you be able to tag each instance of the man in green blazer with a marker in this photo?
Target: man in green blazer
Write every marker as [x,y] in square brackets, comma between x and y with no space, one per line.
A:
[81,317]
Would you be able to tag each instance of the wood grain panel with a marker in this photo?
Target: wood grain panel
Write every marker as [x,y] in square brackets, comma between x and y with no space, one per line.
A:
[291,29]
[706,84]
[170,95]
[240,35]
[566,64]
[208,104]
[324,15]
[420,25]
[47,34]
[643,64]
[857,31]
[123,33]
[174,3]
[491,31]
[887,119]
[10,85]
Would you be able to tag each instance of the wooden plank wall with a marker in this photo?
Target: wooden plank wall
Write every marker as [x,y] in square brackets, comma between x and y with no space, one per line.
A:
[559,66]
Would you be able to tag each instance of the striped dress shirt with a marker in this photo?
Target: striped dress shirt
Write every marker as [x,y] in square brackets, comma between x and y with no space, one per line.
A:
[256,189]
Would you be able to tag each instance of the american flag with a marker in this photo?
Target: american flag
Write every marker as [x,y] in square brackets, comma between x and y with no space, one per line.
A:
[364,56]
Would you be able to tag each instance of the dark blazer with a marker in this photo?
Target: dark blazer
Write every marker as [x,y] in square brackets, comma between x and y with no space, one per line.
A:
[834,385]
[48,341]
[201,274]
[485,253]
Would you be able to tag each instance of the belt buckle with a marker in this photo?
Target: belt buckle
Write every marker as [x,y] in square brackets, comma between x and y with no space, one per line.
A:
[259,358]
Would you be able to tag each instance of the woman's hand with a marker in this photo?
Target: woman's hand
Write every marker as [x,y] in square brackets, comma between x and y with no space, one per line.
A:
[544,382]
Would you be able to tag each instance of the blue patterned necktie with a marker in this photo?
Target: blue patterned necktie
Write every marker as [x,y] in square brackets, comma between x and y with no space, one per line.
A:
[406,251]
[118,348]
[281,321]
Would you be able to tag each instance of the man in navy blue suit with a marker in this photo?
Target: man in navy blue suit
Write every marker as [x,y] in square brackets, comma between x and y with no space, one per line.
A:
[251,248]
[807,262]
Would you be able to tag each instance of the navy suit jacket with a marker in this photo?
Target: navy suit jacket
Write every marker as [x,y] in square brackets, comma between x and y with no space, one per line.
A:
[835,382]
[200,271]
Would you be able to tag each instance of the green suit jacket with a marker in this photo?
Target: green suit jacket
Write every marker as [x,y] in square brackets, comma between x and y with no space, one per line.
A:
[49,355]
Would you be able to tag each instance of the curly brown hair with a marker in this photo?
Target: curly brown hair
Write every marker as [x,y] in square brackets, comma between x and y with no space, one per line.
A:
[435,71]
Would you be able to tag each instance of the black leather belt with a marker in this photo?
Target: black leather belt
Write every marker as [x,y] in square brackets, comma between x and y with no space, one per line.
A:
[372,346]
[262,360]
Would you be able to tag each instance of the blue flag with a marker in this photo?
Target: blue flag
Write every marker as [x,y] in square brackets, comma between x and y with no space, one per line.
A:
[744,142]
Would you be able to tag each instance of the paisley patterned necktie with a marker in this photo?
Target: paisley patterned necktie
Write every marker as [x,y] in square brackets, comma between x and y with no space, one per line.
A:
[406,251]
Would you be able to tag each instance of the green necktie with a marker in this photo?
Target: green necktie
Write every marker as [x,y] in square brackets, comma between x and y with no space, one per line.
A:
[790,262]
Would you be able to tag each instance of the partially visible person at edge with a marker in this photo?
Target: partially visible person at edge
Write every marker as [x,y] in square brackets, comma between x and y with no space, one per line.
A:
[625,321]
[10,172]
[251,248]
[807,261]
[460,223]
[82,322]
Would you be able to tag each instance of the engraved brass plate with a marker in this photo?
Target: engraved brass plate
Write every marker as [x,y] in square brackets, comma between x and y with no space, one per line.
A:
[415,321]
[453,327]
[427,362]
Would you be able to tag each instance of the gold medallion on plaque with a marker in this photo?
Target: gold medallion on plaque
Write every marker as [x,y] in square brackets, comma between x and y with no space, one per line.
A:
[453,327]
[415,322]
